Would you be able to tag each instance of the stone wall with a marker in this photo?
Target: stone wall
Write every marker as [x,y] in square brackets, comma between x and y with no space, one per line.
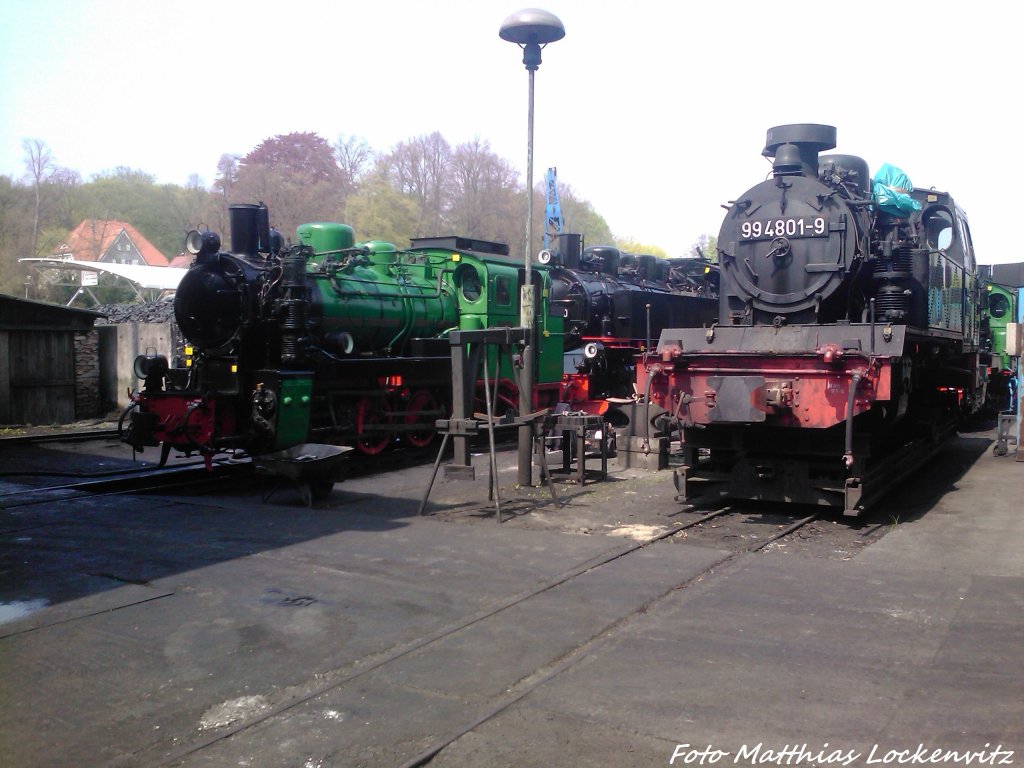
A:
[119,346]
[88,403]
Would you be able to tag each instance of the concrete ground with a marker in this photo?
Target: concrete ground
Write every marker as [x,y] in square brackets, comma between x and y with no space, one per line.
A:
[225,631]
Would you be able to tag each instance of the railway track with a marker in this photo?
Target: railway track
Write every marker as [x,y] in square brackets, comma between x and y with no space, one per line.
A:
[191,477]
[728,536]
[735,536]
[543,675]
[73,436]
[320,684]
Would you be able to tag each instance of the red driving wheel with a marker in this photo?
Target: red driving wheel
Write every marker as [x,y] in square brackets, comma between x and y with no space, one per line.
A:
[372,412]
[421,400]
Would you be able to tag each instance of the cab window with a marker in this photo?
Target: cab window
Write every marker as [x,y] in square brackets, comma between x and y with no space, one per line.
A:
[468,281]
[998,305]
[938,228]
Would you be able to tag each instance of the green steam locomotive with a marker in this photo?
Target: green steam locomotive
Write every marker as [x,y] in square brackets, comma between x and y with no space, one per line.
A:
[999,319]
[333,341]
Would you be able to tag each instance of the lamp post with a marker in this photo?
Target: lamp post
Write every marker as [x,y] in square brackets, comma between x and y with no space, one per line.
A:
[531,29]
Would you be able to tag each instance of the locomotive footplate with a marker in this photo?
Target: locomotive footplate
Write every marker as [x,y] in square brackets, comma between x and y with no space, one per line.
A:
[881,339]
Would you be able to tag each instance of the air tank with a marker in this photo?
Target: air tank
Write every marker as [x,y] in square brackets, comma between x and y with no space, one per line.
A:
[854,169]
[326,238]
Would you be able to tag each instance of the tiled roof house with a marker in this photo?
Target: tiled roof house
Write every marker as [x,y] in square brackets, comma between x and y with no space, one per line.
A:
[113,242]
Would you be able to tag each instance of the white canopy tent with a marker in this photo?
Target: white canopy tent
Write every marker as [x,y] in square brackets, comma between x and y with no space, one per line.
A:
[140,277]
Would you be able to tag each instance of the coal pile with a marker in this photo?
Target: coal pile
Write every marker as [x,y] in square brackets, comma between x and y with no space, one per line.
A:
[148,312]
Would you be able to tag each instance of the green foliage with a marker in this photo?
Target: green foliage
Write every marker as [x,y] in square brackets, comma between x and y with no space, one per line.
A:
[706,247]
[380,212]
[160,212]
[422,186]
[485,200]
[632,246]
[295,175]
[59,287]
[581,218]
[302,155]
[51,237]
[16,206]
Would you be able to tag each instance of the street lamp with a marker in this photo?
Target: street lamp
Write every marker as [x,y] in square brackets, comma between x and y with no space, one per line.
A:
[531,29]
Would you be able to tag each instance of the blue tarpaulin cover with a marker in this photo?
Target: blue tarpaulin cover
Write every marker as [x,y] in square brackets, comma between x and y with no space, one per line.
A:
[889,187]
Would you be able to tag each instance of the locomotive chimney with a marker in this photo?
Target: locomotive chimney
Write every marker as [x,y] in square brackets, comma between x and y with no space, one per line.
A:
[795,147]
[250,229]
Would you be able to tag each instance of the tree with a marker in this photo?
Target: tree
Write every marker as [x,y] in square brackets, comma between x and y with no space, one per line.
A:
[422,186]
[16,201]
[193,207]
[485,195]
[419,168]
[40,165]
[65,184]
[580,217]
[380,212]
[706,247]
[132,195]
[227,175]
[127,174]
[306,155]
[632,246]
[295,175]
[353,156]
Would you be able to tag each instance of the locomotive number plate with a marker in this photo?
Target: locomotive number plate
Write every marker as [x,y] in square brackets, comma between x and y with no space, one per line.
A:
[768,229]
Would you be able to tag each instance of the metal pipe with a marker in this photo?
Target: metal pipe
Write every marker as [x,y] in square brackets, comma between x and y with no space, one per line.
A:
[769,372]
[438,290]
[526,315]
[872,348]
[655,370]
[647,349]
[850,397]
[494,486]
[528,255]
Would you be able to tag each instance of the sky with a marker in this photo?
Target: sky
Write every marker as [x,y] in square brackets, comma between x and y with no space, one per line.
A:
[653,110]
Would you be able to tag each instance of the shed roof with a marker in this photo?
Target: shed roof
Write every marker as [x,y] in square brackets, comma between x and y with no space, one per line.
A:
[21,314]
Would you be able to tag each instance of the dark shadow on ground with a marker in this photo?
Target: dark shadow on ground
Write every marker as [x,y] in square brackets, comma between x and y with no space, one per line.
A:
[66,548]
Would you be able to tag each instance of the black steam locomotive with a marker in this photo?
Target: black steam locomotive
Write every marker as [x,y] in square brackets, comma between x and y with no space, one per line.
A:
[847,345]
[616,304]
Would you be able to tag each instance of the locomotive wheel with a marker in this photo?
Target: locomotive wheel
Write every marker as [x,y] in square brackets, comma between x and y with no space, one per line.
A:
[421,400]
[372,411]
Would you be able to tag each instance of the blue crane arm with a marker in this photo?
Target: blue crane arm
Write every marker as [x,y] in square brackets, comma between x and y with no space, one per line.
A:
[554,223]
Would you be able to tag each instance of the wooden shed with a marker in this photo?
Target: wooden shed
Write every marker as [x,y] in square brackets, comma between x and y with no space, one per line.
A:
[49,363]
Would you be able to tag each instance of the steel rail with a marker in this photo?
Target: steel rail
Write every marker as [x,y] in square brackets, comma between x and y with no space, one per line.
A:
[529,684]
